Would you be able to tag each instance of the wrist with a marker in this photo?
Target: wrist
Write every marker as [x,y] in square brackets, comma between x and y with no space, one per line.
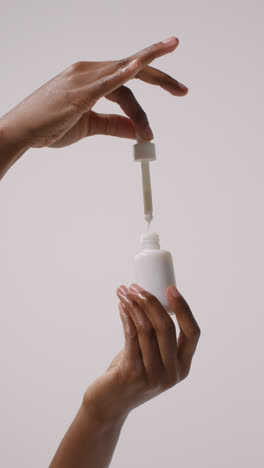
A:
[12,144]
[102,417]
[12,135]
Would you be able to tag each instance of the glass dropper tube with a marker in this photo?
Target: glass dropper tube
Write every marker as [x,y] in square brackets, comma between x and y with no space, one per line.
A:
[144,152]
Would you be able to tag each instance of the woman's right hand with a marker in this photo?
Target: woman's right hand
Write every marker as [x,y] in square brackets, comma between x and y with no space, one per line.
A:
[153,358]
[60,112]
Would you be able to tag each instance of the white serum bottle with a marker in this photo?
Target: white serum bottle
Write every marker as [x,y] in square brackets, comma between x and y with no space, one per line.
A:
[153,268]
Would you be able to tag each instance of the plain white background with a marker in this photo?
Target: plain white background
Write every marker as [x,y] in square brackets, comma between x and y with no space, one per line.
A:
[71,220]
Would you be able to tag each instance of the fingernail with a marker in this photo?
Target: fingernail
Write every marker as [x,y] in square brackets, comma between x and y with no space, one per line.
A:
[174,291]
[182,86]
[123,289]
[123,296]
[148,132]
[136,287]
[170,40]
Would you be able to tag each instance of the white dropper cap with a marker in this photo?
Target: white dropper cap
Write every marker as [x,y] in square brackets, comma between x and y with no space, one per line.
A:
[144,151]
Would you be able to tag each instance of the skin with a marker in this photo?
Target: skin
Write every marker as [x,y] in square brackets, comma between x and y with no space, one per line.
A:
[60,112]
[153,358]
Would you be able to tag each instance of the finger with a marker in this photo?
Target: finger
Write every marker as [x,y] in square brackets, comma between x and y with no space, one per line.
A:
[146,336]
[93,123]
[154,51]
[161,322]
[101,69]
[130,334]
[189,328]
[125,98]
[146,55]
[110,124]
[109,83]
[159,78]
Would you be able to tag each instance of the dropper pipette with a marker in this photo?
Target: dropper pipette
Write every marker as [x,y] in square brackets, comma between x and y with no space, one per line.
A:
[144,151]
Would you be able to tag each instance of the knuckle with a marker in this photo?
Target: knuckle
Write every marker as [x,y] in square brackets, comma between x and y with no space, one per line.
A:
[107,125]
[141,116]
[102,84]
[130,305]
[105,83]
[145,328]
[123,62]
[149,298]
[196,332]
[132,335]
[126,92]
[76,67]
[167,327]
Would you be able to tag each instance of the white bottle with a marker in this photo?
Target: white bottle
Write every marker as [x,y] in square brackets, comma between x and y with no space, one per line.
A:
[153,268]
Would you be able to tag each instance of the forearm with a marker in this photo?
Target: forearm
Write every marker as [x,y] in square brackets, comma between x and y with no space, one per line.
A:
[12,144]
[89,442]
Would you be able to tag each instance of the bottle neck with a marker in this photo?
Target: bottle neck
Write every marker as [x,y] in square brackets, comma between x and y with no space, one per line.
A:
[149,240]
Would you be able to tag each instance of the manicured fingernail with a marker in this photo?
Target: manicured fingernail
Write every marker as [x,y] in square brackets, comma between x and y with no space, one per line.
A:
[174,291]
[136,287]
[170,40]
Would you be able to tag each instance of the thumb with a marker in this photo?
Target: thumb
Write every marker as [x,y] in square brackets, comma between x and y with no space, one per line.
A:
[109,83]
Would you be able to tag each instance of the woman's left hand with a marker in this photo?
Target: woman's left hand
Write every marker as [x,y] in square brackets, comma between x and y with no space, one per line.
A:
[153,358]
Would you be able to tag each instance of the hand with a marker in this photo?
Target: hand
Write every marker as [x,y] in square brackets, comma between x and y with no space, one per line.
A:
[59,113]
[152,360]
